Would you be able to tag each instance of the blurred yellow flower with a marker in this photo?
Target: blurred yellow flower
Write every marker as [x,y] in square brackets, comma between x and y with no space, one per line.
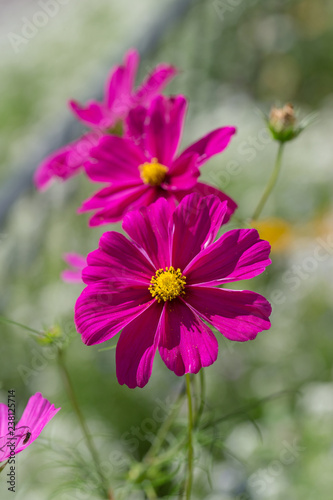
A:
[277,231]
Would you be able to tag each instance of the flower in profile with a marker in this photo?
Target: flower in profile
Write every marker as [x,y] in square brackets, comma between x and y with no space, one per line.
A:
[77,262]
[160,287]
[144,165]
[104,117]
[36,415]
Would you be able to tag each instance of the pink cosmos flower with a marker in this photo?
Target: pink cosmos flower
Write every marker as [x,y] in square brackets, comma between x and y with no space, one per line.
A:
[120,98]
[145,166]
[161,285]
[36,415]
[78,263]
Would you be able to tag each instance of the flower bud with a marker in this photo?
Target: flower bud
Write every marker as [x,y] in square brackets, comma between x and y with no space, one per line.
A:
[283,124]
[51,336]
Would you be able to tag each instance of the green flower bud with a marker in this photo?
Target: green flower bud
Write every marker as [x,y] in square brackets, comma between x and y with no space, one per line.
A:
[282,123]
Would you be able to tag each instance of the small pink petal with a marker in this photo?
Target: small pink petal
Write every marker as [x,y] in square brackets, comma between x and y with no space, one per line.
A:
[93,114]
[154,83]
[78,262]
[211,144]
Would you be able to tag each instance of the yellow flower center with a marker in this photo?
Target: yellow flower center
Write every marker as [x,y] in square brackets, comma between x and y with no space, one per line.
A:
[153,173]
[167,284]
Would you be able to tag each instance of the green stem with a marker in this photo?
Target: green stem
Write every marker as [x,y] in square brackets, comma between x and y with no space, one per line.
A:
[90,444]
[202,398]
[189,479]
[15,323]
[3,466]
[271,183]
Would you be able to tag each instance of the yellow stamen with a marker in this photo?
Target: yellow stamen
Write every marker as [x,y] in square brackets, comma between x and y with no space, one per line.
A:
[153,173]
[167,284]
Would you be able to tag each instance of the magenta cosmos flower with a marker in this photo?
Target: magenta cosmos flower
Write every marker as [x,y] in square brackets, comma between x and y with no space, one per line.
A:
[36,415]
[77,263]
[146,167]
[102,117]
[161,285]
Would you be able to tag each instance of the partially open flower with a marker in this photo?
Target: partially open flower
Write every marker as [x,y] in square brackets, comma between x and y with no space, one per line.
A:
[36,415]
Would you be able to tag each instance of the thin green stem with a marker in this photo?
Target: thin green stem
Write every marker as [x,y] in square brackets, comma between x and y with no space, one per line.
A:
[164,429]
[15,323]
[3,466]
[189,479]
[271,183]
[89,441]
[202,398]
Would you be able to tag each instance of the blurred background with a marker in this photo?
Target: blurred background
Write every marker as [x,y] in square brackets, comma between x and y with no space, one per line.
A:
[236,58]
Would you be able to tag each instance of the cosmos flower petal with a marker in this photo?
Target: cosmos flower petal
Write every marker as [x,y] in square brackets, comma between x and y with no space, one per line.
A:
[137,346]
[119,203]
[135,125]
[65,162]
[100,313]
[115,159]
[238,315]
[206,190]
[121,82]
[164,129]
[4,452]
[3,420]
[186,344]
[117,257]
[38,412]
[150,229]
[183,173]
[78,263]
[109,195]
[211,144]
[196,223]
[154,83]
[238,254]
[92,114]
